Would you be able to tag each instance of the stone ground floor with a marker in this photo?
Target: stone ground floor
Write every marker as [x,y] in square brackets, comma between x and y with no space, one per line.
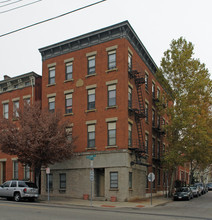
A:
[110,175]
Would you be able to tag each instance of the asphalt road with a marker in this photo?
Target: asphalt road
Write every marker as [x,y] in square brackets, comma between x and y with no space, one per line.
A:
[196,209]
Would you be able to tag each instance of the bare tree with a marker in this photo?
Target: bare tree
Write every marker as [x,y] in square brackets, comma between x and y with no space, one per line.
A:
[39,138]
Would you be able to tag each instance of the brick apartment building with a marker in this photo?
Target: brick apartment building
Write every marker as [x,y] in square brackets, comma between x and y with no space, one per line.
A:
[14,92]
[104,83]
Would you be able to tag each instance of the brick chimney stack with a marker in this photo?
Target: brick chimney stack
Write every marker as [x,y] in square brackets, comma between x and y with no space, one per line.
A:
[6,77]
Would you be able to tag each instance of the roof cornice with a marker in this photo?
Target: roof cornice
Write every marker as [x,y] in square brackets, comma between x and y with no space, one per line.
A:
[120,30]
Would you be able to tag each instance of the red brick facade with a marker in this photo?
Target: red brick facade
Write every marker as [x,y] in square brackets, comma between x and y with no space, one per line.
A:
[16,89]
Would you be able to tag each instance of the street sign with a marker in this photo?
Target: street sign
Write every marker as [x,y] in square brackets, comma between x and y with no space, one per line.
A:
[92,175]
[151,177]
[90,157]
[47,170]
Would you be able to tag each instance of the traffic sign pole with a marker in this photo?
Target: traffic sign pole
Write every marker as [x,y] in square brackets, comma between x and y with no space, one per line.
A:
[91,158]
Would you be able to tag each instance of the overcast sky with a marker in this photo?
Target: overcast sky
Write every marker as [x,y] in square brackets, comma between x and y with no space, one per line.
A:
[156,23]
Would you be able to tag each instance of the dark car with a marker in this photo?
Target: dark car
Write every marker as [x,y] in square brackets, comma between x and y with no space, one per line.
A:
[18,190]
[209,185]
[183,193]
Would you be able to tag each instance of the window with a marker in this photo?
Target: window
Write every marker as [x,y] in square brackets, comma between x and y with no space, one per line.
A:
[91,99]
[91,65]
[69,133]
[130,135]
[111,95]
[15,108]
[158,150]
[146,142]
[112,134]
[50,181]
[130,180]
[27,101]
[158,121]
[158,177]
[158,93]
[91,136]
[164,148]
[62,181]
[26,172]
[69,71]
[6,110]
[111,60]
[15,169]
[52,75]
[52,104]
[113,180]
[6,184]
[153,118]
[146,81]
[153,89]
[129,62]
[68,107]
[146,112]
[129,97]
[153,147]
[13,184]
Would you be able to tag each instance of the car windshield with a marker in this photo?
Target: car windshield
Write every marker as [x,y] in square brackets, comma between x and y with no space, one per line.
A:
[182,190]
[31,185]
[193,187]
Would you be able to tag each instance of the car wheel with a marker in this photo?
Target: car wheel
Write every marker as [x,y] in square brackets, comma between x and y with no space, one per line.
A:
[188,198]
[17,197]
[31,199]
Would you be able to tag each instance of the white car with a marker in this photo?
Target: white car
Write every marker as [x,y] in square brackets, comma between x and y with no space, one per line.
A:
[17,190]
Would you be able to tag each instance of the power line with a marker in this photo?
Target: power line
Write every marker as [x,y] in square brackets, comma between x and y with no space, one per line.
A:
[5,1]
[40,22]
[1,12]
[10,3]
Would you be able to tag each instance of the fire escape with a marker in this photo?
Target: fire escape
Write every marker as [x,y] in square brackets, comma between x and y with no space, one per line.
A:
[138,146]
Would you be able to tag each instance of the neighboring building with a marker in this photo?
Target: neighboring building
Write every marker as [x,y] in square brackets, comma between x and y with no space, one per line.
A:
[14,92]
[104,84]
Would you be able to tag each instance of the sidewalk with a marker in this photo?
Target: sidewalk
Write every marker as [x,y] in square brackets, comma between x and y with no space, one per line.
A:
[144,203]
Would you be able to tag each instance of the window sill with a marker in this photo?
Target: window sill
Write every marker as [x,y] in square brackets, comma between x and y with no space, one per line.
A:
[114,106]
[111,70]
[69,114]
[90,75]
[90,148]
[49,85]
[68,80]
[108,147]
[15,119]
[131,189]
[115,189]
[62,190]
[91,110]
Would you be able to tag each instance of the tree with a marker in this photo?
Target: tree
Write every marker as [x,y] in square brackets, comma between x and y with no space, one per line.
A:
[39,138]
[188,83]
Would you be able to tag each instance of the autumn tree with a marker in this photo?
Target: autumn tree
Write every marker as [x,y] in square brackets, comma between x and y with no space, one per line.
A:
[188,83]
[39,138]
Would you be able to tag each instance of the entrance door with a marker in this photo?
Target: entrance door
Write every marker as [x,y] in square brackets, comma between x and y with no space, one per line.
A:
[2,172]
[100,182]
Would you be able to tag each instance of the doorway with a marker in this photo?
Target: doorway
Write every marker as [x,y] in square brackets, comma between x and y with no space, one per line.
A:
[100,182]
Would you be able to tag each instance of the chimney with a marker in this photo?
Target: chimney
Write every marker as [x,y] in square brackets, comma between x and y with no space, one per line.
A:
[6,77]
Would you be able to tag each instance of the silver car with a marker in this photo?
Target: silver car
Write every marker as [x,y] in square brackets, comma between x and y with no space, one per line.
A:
[18,190]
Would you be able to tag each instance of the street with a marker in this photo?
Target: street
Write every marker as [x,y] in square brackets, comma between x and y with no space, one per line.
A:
[197,208]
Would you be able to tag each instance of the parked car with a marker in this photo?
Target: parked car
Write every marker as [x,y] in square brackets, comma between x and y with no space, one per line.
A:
[209,185]
[195,191]
[201,187]
[18,190]
[183,193]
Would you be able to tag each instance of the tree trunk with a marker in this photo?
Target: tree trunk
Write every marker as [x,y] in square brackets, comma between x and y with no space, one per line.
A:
[37,177]
[171,183]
